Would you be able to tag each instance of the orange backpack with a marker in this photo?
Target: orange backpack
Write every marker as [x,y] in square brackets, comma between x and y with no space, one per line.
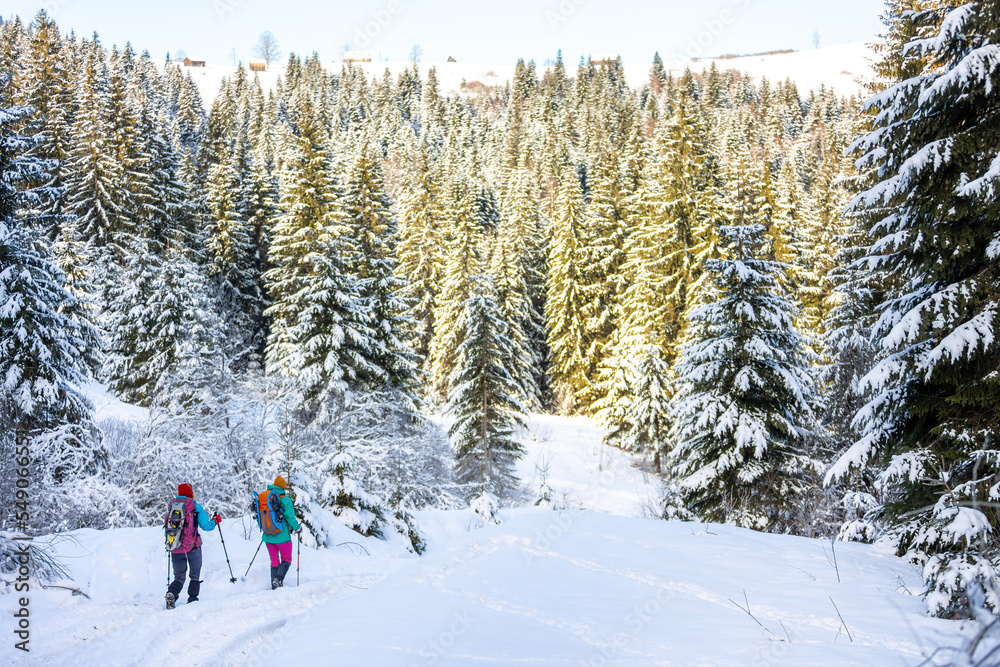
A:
[270,513]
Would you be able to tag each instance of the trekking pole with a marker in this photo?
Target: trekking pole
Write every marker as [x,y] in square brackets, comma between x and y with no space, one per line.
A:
[232,579]
[298,560]
[253,559]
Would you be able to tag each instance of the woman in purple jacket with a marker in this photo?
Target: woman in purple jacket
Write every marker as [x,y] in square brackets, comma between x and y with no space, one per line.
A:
[188,553]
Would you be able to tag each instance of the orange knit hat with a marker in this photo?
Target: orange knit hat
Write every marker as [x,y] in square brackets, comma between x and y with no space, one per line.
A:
[279,481]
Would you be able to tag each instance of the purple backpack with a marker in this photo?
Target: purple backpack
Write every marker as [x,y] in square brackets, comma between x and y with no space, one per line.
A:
[181,526]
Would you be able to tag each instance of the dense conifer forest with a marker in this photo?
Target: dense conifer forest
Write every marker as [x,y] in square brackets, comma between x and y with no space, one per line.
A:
[784,301]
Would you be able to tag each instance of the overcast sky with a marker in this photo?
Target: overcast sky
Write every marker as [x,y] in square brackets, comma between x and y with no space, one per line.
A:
[471,31]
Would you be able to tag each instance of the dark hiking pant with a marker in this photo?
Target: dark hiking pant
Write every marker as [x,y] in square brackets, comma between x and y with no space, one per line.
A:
[181,563]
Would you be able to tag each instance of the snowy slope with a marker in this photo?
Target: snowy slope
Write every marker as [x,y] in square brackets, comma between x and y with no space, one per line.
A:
[843,67]
[589,586]
[583,588]
[582,471]
[107,407]
[209,79]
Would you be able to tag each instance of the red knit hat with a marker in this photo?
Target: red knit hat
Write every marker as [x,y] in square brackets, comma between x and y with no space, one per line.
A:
[185,490]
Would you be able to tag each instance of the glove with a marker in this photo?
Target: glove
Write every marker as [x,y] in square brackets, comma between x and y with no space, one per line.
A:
[217,519]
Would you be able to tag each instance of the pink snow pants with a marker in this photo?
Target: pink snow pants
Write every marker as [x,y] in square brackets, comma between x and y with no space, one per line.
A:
[284,550]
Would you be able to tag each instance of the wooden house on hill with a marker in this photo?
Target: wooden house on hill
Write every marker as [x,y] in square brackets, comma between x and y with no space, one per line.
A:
[357,57]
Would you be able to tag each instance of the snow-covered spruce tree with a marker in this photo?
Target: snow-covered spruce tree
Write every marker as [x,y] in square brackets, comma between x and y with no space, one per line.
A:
[123,140]
[92,169]
[462,262]
[484,399]
[372,227]
[514,252]
[823,225]
[565,307]
[258,201]
[674,225]
[232,269]
[612,408]
[161,324]
[742,409]
[377,460]
[895,62]
[127,320]
[421,248]
[646,411]
[849,356]
[601,269]
[315,321]
[343,495]
[45,87]
[486,506]
[45,349]
[164,208]
[670,504]
[189,121]
[930,430]
[525,222]
[515,307]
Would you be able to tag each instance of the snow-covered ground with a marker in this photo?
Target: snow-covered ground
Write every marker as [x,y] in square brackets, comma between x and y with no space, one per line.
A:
[581,471]
[107,407]
[846,68]
[843,67]
[586,588]
[593,584]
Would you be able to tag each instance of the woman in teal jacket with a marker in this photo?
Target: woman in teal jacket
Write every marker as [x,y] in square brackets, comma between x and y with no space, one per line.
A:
[279,545]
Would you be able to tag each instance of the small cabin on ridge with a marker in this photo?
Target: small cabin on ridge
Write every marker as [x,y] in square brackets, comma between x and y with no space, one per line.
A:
[357,57]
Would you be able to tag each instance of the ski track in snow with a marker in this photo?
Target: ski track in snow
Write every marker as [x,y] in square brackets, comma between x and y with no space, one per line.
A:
[545,587]
[213,631]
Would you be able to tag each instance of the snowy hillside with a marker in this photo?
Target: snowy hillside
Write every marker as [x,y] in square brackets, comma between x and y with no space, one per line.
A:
[547,587]
[583,588]
[842,67]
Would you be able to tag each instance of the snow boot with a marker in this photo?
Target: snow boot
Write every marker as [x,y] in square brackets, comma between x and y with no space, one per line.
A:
[194,587]
[171,599]
[282,571]
[275,581]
